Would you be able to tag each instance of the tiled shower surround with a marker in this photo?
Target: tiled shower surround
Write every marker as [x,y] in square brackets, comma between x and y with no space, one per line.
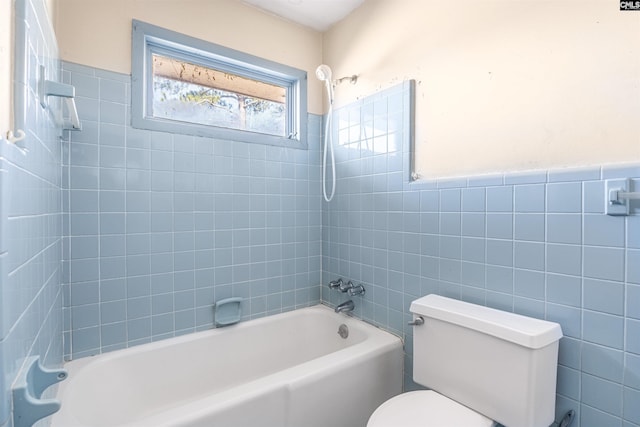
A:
[160,226]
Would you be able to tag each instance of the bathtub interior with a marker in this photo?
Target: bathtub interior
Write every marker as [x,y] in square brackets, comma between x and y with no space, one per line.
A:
[141,382]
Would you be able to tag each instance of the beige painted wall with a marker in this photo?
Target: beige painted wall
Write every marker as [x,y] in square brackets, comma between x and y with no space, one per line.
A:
[98,33]
[502,85]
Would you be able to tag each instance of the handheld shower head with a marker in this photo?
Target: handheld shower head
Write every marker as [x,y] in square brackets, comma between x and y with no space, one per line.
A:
[323,73]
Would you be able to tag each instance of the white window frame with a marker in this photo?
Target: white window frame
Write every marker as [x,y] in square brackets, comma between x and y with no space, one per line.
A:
[148,39]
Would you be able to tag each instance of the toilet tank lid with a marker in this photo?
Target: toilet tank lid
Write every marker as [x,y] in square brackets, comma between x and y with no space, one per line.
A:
[522,330]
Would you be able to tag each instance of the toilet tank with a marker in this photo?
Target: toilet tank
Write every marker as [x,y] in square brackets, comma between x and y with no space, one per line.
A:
[500,364]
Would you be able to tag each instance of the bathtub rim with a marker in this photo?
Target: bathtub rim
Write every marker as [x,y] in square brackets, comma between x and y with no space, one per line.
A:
[76,364]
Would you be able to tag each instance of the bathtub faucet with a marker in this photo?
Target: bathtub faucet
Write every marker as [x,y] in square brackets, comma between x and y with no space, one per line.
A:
[335,284]
[346,306]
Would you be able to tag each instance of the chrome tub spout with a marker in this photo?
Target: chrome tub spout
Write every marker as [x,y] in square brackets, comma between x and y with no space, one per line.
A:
[346,306]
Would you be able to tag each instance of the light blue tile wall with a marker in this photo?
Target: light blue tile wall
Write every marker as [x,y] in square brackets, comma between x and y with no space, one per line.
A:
[31,224]
[533,243]
[159,226]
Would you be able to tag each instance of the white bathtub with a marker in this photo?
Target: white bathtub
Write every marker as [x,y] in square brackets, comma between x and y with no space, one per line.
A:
[291,369]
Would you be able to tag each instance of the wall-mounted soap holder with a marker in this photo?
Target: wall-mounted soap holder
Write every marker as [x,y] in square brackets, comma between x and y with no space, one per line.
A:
[47,88]
[28,405]
[227,311]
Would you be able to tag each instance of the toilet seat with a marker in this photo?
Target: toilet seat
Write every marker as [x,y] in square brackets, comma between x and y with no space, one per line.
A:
[426,408]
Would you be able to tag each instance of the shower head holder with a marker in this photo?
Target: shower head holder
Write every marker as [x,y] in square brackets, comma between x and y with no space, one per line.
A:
[323,73]
[353,79]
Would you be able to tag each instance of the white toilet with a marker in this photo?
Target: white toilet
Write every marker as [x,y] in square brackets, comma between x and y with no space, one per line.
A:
[482,366]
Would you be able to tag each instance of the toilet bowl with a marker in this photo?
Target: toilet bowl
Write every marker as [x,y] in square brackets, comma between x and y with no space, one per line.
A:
[482,367]
[426,408]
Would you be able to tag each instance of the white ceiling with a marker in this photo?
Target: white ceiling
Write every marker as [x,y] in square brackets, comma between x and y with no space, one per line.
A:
[316,14]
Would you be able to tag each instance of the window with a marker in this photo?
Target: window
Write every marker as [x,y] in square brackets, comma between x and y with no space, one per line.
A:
[184,85]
